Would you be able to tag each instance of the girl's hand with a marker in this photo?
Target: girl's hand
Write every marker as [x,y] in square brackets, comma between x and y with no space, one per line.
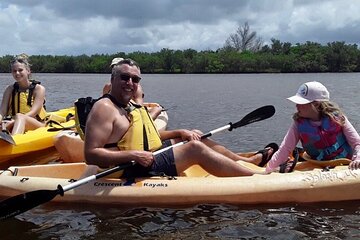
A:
[355,164]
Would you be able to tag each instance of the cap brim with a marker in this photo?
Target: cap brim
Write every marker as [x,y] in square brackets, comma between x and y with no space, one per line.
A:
[298,100]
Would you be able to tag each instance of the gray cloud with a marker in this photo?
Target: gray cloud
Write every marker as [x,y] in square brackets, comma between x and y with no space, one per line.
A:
[88,27]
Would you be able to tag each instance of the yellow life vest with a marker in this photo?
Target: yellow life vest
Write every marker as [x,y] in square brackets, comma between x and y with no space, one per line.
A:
[142,133]
[21,102]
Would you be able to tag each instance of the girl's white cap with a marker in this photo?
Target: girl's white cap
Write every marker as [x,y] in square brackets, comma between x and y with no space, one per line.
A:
[310,92]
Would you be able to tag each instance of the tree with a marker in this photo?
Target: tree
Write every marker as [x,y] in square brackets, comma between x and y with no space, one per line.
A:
[341,57]
[277,47]
[244,40]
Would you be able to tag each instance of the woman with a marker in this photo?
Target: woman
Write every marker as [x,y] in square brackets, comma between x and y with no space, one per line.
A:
[323,130]
[23,101]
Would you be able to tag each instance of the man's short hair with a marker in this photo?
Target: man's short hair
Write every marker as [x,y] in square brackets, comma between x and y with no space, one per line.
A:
[127,61]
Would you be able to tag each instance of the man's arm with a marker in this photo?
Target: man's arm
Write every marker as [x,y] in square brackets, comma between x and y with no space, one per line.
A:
[103,127]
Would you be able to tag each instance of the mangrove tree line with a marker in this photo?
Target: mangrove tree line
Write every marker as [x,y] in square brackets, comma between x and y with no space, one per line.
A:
[277,57]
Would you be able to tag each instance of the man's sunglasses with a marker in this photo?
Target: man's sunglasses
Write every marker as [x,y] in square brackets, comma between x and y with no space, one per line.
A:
[126,78]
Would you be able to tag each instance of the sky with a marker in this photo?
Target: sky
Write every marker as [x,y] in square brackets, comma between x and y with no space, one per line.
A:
[75,27]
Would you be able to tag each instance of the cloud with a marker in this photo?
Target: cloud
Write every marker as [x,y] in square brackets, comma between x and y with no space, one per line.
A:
[88,27]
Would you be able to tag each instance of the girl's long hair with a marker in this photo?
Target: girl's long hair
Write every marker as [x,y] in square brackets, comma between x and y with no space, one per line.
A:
[329,109]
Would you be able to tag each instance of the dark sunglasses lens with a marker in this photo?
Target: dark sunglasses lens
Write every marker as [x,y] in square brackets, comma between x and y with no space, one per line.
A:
[125,77]
[135,79]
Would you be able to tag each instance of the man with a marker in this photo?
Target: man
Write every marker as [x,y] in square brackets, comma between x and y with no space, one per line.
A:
[109,128]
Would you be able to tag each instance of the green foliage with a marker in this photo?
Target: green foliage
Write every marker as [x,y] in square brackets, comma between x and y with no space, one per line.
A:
[341,57]
[278,57]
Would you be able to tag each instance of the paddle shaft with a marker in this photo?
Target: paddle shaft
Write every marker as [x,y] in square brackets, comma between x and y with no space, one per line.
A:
[254,116]
[96,176]
[206,135]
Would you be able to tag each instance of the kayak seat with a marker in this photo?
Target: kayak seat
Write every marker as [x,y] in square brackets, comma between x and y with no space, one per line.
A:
[195,171]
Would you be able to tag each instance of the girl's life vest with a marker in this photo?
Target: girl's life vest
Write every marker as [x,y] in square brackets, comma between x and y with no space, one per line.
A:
[22,101]
[324,142]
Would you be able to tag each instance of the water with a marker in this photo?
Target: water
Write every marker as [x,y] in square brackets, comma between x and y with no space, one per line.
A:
[203,102]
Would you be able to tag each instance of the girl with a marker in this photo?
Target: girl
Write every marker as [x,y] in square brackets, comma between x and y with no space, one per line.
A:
[323,130]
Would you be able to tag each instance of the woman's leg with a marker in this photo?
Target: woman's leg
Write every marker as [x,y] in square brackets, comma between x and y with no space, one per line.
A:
[23,123]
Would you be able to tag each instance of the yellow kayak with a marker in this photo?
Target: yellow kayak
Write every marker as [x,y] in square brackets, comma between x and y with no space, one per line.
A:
[35,144]
[194,186]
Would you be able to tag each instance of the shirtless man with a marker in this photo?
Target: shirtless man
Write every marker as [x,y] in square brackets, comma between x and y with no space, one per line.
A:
[109,140]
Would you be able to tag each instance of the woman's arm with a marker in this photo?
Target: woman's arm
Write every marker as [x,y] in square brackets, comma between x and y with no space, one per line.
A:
[155,112]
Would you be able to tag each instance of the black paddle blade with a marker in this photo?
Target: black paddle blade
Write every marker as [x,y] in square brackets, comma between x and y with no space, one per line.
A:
[255,116]
[7,137]
[26,201]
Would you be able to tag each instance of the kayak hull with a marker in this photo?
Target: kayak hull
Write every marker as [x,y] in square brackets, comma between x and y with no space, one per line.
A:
[338,184]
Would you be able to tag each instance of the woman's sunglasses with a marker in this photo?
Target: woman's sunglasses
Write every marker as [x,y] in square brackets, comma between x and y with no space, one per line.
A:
[126,78]
[19,60]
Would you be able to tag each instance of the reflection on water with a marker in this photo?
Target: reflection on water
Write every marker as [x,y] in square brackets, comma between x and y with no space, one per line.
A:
[205,102]
[325,221]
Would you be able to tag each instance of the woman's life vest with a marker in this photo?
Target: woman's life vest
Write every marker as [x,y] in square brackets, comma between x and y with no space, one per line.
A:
[324,142]
[22,101]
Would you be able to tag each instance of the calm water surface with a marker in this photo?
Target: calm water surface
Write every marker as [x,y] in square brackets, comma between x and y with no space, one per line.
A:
[204,102]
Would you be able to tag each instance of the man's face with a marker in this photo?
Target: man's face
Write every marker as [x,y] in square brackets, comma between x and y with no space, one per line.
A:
[125,81]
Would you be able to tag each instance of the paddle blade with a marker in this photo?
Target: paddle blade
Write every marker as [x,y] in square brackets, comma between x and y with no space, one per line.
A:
[255,116]
[7,137]
[24,202]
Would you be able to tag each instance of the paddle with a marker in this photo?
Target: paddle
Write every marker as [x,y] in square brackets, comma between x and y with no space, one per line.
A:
[259,114]
[169,108]
[26,201]
[5,135]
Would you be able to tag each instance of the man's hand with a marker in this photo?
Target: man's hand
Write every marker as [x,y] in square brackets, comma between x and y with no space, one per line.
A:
[144,158]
